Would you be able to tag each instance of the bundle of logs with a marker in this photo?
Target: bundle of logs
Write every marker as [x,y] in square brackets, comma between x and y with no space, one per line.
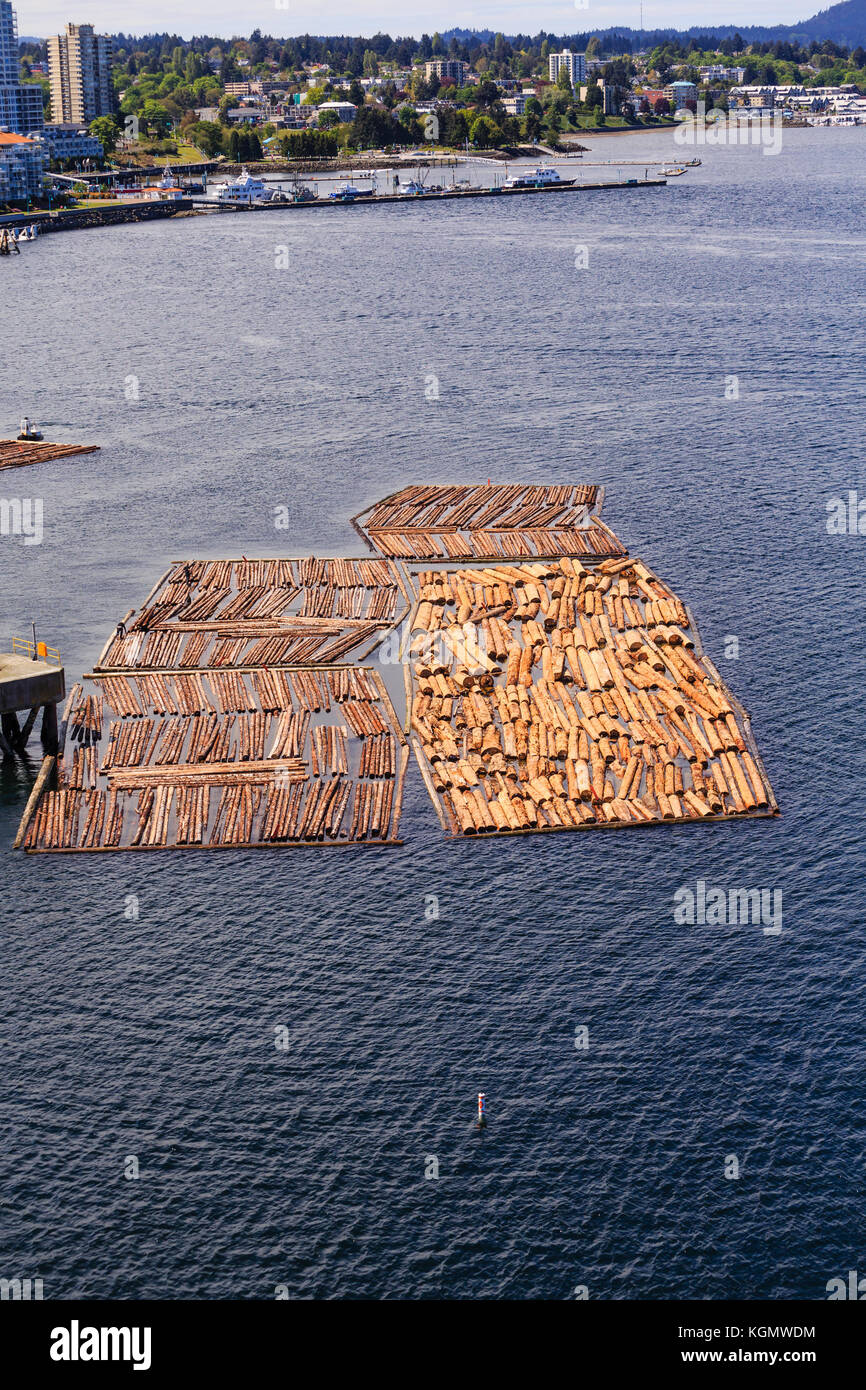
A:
[503,521]
[204,614]
[17,453]
[548,695]
[227,758]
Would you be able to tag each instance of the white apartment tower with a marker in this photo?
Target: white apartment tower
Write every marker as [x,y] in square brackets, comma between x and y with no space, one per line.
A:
[80,72]
[574,62]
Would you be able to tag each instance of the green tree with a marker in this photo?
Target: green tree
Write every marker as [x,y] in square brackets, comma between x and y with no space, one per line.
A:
[563,81]
[156,118]
[484,133]
[106,132]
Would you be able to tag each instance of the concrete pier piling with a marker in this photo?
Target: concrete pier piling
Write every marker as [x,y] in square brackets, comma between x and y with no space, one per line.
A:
[29,683]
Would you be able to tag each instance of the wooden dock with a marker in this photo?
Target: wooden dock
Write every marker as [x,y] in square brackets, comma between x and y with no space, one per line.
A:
[15,453]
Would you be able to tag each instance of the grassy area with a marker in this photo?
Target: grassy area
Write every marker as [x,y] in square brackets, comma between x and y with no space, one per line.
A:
[148,154]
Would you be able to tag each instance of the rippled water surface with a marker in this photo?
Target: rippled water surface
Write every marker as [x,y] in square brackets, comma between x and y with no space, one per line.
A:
[304,387]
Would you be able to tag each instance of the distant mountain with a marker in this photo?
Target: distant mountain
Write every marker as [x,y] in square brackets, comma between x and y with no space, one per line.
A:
[844,24]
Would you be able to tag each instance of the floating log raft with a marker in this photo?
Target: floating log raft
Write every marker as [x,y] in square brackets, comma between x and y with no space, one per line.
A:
[212,614]
[493,521]
[15,453]
[550,695]
[239,759]
[552,682]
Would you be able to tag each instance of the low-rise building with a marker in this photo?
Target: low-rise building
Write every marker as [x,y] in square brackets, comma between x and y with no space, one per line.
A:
[69,140]
[717,72]
[22,167]
[343,110]
[516,105]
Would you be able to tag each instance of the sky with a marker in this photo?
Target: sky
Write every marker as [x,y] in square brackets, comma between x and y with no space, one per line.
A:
[284,17]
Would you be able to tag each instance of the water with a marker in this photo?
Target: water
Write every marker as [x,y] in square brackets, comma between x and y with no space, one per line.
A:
[306,387]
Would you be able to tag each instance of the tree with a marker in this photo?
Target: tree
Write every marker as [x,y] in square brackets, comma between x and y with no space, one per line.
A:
[106,132]
[483,132]
[207,136]
[563,80]
[156,118]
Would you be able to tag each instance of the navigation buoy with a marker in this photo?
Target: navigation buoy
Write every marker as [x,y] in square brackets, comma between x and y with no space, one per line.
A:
[482,1110]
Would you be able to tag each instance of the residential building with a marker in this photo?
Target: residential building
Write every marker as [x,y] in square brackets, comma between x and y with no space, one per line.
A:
[20,102]
[22,165]
[516,105]
[343,110]
[574,62]
[716,72]
[441,68]
[69,140]
[80,63]
[679,93]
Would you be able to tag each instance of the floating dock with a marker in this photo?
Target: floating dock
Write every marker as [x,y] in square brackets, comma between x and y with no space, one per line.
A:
[553,682]
[447,194]
[18,453]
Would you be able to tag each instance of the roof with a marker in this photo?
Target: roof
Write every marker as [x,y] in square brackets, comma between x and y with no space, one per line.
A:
[7,139]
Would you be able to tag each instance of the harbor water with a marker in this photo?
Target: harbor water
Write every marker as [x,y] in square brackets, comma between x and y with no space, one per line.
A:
[254,381]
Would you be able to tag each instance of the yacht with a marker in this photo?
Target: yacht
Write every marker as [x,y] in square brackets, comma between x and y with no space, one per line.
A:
[539,178]
[244,189]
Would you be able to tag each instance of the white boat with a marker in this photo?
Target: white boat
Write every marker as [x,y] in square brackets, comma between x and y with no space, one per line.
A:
[539,178]
[413,187]
[28,431]
[245,189]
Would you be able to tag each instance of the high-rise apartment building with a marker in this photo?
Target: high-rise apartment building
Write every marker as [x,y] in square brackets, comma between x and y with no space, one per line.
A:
[20,103]
[575,63]
[80,72]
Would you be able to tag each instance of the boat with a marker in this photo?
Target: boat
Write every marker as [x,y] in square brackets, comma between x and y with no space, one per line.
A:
[691,163]
[347,193]
[540,178]
[245,189]
[413,188]
[29,433]
[672,173]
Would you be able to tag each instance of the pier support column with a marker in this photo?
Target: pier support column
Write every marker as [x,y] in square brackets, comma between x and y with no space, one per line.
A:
[49,729]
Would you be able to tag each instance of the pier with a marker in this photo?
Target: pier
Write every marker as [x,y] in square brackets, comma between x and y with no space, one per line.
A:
[447,195]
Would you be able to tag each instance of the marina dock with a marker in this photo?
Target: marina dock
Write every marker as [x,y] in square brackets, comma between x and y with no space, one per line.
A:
[447,195]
